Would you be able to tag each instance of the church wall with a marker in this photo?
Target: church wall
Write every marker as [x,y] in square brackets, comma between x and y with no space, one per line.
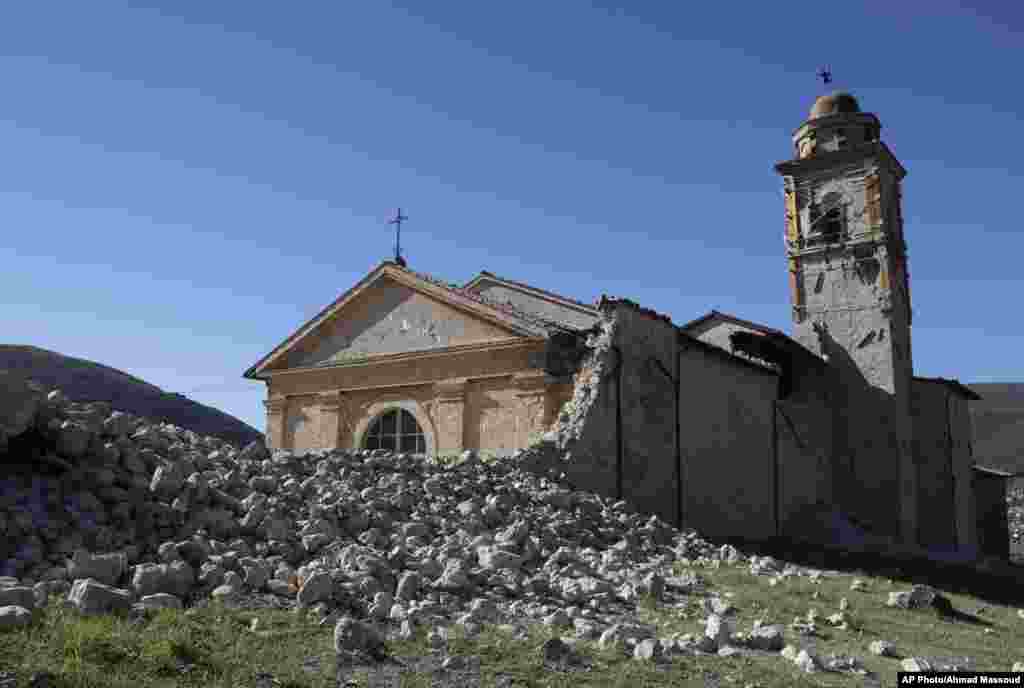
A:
[960,422]
[871,424]
[392,318]
[803,455]
[492,401]
[991,524]
[492,416]
[648,411]
[359,408]
[725,417]
[414,370]
[302,421]
[535,304]
[932,450]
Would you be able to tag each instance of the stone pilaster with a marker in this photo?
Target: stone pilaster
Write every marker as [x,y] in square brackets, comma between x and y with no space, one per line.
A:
[275,421]
[534,406]
[450,396]
[330,419]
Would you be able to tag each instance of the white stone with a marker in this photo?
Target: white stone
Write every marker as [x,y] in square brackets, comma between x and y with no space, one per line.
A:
[89,596]
[160,600]
[13,616]
[18,596]
[882,648]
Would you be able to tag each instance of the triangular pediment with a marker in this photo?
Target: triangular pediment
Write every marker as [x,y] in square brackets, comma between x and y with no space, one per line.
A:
[391,311]
[533,300]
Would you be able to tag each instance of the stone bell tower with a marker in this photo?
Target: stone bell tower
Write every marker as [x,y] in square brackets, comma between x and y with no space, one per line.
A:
[850,291]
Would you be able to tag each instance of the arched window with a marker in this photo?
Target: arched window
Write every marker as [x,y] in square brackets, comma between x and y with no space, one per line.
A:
[396,430]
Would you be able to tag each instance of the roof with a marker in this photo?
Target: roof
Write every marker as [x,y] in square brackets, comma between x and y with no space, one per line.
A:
[545,325]
[775,347]
[526,324]
[719,315]
[523,285]
[756,364]
[995,472]
[833,104]
[954,385]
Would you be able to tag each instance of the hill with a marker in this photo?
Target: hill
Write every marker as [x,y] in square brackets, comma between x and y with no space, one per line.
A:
[998,421]
[84,380]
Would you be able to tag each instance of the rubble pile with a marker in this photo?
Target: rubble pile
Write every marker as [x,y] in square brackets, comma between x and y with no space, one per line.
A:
[1015,516]
[117,512]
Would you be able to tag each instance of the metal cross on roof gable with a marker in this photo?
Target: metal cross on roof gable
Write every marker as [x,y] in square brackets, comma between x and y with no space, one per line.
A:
[397,221]
[825,75]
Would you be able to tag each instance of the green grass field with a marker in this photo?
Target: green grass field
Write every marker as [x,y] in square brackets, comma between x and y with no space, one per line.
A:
[220,648]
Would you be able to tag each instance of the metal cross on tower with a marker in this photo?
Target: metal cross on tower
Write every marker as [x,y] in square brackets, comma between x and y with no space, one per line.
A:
[825,75]
[397,221]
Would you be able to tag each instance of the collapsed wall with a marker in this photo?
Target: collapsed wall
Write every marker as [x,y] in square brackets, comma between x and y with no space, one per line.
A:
[617,435]
[573,446]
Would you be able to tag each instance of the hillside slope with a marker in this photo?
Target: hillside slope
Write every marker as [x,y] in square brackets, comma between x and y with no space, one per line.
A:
[84,380]
[998,421]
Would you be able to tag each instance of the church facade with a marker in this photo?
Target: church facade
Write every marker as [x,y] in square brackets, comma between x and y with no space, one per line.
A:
[720,424]
[406,362]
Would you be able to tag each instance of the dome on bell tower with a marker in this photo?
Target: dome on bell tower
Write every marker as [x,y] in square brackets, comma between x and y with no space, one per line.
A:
[834,104]
[835,123]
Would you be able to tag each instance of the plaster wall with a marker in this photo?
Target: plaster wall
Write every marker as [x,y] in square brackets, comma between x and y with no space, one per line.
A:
[412,370]
[804,444]
[391,318]
[871,424]
[991,524]
[492,416]
[648,411]
[725,417]
[459,401]
[933,453]
[960,422]
[302,422]
[536,304]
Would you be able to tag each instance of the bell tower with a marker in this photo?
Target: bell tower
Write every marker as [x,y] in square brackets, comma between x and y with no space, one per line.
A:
[849,284]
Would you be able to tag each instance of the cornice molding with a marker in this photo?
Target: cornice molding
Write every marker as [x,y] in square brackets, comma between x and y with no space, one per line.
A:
[532,383]
[383,359]
[824,161]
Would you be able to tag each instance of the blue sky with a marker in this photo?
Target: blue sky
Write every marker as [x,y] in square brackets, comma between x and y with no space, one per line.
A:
[185,184]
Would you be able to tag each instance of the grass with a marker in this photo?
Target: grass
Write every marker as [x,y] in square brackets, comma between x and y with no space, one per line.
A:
[220,649]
